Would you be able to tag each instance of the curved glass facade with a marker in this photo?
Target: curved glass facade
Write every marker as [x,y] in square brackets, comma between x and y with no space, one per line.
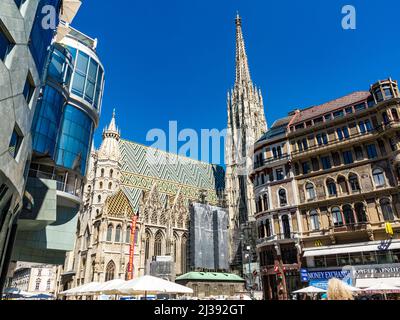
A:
[40,38]
[88,78]
[49,109]
[74,140]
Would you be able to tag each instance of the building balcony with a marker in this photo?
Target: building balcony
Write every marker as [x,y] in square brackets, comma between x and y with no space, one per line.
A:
[272,162]
[280,237]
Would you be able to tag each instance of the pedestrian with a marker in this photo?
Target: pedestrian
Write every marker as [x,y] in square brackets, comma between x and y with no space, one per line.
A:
[337,290]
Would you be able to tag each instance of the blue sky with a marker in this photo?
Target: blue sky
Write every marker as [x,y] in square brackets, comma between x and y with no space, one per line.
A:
[174,60]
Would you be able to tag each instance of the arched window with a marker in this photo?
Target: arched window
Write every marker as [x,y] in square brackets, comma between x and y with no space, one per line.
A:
[109,232]
[87,239]
[110,271]
[379,177]
[183,254]
[265,200]
[268,227]
[100,185]
[279,150]
[128,235]
[282,197]
[109,186]
[111,173]
[360,213]
[354,184]
[331,186]
[102,173]
[147,246]
[310,191]
[286,226]
[89,188]
[99,198]
[175,247]
[343,185]
[158,244]
[314,218]
[337,217]
[385,118]
[259,204]
[274,153]
[348,214]
[118,234]
[395,114]
[387,210]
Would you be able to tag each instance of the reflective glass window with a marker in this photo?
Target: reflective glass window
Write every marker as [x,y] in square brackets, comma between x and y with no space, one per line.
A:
[5,45]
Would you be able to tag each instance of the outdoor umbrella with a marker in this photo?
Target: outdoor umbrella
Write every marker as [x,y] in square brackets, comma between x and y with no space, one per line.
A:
[81,290]
[109,287]
[382,288]
[310,289]
[151,285]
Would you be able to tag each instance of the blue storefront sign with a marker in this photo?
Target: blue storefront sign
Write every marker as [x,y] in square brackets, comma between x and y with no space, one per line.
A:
[304,275]
[320,279]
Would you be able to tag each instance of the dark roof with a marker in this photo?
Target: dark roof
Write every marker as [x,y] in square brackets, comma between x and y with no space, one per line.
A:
[342,102]
[279,127]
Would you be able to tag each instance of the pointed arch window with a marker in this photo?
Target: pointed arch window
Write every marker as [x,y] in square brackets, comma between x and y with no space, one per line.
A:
[110,186]
[360,213]
[348,214]
[175,248]
[343,185]
[128,235]
[286,226]
[111,173]
[337,217]
[395,114]
[183,254]
[268,228]
[110,271]
[282,197]
[331,185]
[265,200]
[102,173]
[354,183]
[99,198]
[314,220]
[118,234]
[158,244]
[147,246]
[101,185]
[109,232]
[387,210]
[310,191]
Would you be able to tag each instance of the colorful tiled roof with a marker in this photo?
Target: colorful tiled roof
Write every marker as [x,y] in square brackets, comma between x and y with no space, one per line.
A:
[142,166]
[342,102]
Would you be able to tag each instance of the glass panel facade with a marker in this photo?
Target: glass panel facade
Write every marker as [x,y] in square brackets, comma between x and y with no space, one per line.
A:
[47,121]
[5,45]
[40,38]
[60,66]
[74,139]
[88,78]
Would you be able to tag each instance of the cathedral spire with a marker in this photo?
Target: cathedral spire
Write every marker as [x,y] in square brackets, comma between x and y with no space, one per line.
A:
[111,135]
[242,66]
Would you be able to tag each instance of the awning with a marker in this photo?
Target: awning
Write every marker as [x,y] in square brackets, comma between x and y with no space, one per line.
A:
[69,9]
[369,246]
[370,282]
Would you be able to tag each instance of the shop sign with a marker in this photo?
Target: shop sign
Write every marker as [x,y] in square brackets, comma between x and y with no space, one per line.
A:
[320,279]
[304,275]
[377,271]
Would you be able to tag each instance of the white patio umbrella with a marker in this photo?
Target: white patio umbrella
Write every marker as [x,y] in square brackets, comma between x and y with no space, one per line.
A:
[70,9]
[310,289]
[109,287]
[382,288]
[151,285]
[81,290]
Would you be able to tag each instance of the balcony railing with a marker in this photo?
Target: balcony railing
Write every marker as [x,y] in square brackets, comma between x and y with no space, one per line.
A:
[277,237]
[70,188]
[264,162]
[383,127]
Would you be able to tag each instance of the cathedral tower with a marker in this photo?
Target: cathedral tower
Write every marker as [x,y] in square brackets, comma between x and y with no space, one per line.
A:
[246,124]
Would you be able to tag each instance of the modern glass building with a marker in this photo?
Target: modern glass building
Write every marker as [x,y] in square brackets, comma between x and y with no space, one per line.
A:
[24,46]
[67,114]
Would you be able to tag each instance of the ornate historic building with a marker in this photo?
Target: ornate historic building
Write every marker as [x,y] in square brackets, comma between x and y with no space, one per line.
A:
[246,123]
[127,179]
[342,158]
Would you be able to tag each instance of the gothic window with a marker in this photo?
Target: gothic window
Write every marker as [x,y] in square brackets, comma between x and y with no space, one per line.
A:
[183,254]
[128,235]
[286,226]
[337,217]
[153,219]
[158,244]
[99,198]
[282,197]
[147,247]
[314,220]
[360,213]
[110,271]
[118,234]
[265,200]
[110,186]
[387,210]
[354,184]
[261,233]
[310,190]
[268,227]
[395,114]
[109,232]
[348,214]
[175,248]
[379,177]
[111,173]
[343,185]
[259,204]
[102,173]
[331,185]
[87,239]
[101,185]
[385,118]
